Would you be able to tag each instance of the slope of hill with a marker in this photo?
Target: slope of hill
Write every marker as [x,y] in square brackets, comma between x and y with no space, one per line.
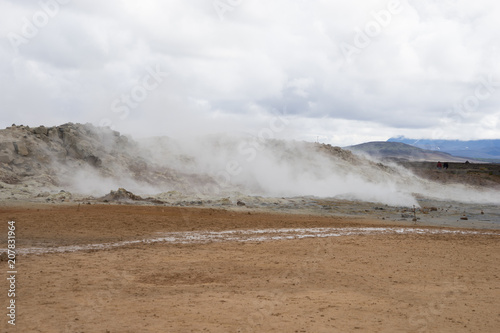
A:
[84,158]
[479,149]
[401,151]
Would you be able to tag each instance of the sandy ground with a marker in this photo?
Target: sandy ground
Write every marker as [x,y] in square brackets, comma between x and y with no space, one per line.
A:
[392,280]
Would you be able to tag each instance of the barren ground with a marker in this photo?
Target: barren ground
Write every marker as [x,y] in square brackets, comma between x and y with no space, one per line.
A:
[394,282]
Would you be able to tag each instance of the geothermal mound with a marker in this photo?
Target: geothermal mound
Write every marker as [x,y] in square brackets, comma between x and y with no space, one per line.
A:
[79,157]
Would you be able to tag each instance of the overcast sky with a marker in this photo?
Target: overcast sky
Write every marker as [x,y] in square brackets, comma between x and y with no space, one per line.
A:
[338,71]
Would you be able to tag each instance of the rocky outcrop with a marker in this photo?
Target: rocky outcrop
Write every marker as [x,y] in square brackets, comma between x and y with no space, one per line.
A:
[52,156]
[121,195]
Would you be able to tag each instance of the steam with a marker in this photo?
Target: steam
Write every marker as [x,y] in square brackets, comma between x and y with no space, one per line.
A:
[285,169]
[88,181]
[424,188]
[94,161]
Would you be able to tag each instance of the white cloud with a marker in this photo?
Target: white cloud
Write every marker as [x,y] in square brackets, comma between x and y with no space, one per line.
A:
[262,58]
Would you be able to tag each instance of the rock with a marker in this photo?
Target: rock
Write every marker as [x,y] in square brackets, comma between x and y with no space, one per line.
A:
[11,180]
[53,137]
[7,152]
[6,146]
[42,130]
[225,202]
[121,195]
[240,203]
[21,148]
[78,147]
[6,158]
[93,160]
[338,152]
[19,161]
[61,196]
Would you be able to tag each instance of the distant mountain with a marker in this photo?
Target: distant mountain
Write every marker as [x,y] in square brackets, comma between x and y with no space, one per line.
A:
[479,149]
[402,151]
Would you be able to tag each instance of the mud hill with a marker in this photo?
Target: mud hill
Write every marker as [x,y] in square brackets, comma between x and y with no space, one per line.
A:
[54,157]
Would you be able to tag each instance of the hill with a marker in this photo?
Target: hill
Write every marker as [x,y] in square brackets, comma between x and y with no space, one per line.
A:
[477,149]
[401,151]
[82,157]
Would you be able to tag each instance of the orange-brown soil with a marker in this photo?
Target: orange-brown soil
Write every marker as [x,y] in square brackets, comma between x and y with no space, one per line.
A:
[355,283]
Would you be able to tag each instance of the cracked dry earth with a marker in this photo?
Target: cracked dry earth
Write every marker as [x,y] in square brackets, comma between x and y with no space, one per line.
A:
[117,268]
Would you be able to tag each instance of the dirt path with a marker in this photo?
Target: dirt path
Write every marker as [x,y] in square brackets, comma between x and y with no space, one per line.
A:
[375,282]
